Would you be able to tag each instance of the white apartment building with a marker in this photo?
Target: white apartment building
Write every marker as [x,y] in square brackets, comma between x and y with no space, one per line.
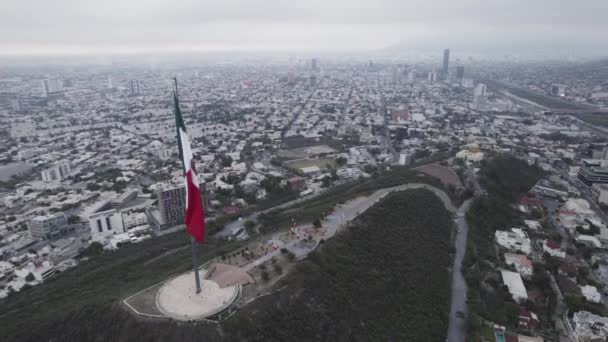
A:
[591,293]
[516,286]
[105,224]
[515,240]
[47,226]
[522,264]
[40,270]
[588,326]
[601,193]
[58,172]
[132,219]
[28,153]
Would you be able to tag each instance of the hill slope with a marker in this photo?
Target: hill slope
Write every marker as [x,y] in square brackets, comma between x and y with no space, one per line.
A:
[384,278]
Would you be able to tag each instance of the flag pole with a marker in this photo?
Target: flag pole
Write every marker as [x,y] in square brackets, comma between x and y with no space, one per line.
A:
[197,279]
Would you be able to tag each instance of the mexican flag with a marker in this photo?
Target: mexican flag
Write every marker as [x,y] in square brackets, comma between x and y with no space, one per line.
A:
[194,218]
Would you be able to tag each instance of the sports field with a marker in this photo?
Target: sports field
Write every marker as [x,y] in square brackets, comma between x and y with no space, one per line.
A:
[322,163]
[305,152]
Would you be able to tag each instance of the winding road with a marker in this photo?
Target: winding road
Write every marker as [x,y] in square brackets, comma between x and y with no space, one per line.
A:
[350,210]
[457,325]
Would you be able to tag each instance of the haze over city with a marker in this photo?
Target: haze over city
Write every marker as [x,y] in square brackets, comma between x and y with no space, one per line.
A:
[269,171]
[541,28]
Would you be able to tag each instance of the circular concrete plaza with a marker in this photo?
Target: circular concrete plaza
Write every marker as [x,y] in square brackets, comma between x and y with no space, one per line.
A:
[178,299]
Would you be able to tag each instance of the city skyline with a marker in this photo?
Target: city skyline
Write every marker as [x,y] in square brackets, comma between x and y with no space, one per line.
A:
[499,27]
[417,170]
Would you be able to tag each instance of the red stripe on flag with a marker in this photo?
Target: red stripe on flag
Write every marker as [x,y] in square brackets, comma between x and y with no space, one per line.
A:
[195,218]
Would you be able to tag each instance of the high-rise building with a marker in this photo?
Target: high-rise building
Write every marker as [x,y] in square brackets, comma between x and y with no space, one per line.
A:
[459,73]
[558,90]
[47,227]
[110,85]
[51,87]
[405,158]
[135,88]
[432,77]
[172,204]
[468,83]
[56,173]
[479,95]
[396,75]
[446,63]
[314,65]
[411,76]
[480,90]
[16,104]
[104,224]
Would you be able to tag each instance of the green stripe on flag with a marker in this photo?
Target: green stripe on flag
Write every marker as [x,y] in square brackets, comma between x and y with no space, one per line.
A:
[179,124]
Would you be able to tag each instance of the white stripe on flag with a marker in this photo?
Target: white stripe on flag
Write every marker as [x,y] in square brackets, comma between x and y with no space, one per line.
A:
[186,150]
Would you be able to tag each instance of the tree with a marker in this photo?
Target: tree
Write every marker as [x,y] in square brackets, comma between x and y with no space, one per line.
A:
[265,276]
[326,182]
[291,256]
[512,313]
[317,223]
[93,186]
[341,161]
[574,303]
[30,277]
[278,269]
[249,225]
[95,248]
[226,160]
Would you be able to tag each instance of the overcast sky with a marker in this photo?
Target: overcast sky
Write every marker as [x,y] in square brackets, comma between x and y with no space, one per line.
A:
[125,26]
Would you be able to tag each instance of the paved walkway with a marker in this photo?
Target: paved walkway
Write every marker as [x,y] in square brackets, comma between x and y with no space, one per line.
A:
[232,227]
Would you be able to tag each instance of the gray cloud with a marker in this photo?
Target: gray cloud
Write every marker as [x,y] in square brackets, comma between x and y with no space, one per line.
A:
[42,26]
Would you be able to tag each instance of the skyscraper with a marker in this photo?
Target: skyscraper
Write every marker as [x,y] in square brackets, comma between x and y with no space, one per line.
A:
[480,90]
[558,90]
[459,73]
[45,87]
[479,95]
[446,63]
[16,104]
[134,88]
[396,75]
[314,64]
[411,76]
